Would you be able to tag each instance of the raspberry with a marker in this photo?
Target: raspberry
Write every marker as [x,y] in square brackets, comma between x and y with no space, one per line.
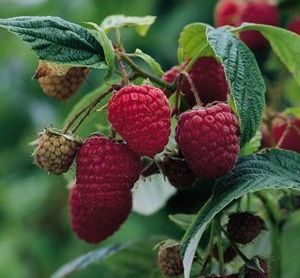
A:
[107,163]
[258,11]
[60,82]
[252,273]
[171,74]
[228,255]
[101,200]
[235,12]
[286,133]
[209,79]
[244,227]
[169,260]
[178,172]
[97,212]
[142,116]
[227,12]
[55,152]
[294,25]
[208,139]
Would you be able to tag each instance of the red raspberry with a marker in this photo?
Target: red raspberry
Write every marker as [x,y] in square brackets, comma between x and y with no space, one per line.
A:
[287,133]
[142,116]
[227,12]
[96,212]
[208,139]
[252,273]
[178,172]
[258,11]
[235,12]
[171,74]
[244,227]
[294,25]
[209,79]
[107,163]
[101,200]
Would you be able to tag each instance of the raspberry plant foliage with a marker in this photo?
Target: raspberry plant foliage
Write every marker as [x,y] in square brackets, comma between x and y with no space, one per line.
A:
[57,41]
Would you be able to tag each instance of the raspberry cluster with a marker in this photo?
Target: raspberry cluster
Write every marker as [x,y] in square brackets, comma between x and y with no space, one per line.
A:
[101,199]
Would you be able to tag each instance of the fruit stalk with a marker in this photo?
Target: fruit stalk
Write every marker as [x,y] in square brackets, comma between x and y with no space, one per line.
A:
[145,74]
[85,110]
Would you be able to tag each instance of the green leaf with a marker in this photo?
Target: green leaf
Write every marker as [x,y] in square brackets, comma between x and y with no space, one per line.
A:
[154,66]
[88,259]
[245,80]
[276,169]
[56,40]
[108,48]
[253,145]
[292,111]
[193,42]
[182,220]
[140,24]
[131,259]
[285,44]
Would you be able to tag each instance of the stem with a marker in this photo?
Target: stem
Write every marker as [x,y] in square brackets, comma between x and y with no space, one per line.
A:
[220,249]
[270,207]
[193,88]
[85,110]
[236,248]
[177,95]
[145,74]
[276,252]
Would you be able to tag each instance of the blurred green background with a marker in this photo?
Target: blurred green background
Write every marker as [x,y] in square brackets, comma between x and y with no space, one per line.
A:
[35,236]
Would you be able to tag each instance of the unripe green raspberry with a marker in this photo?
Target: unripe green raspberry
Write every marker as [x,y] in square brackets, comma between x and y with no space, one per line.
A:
[55,152]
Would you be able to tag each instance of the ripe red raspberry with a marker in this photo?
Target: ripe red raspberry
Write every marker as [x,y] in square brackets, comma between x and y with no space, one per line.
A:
[294,25]
[286,133]
[252,273]
[55,152]
[101,200]
[258,11]
[60,82]
[227,12]
[244,227]
[169,260]
[236,12]
[142,116]
[96,212]
[107,163]
[209,79]
[178,173]
[208,139]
